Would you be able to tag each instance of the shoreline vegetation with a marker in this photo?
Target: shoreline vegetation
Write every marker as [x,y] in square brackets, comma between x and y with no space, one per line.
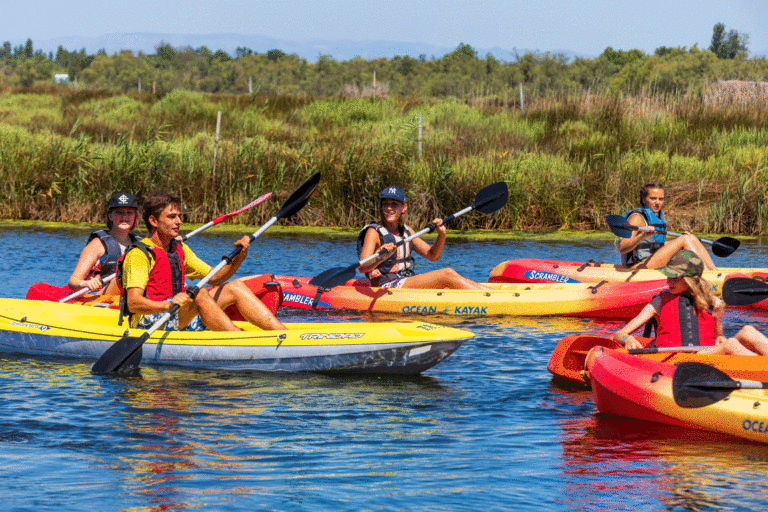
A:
[570,152]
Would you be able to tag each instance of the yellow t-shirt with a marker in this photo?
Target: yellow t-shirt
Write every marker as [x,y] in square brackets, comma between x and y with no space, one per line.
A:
[136,267]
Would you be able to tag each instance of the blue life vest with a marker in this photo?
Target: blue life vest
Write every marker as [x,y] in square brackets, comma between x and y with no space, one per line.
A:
[399,264]
[650,245]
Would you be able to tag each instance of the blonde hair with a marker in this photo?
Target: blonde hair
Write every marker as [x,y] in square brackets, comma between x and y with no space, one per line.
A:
[703,296]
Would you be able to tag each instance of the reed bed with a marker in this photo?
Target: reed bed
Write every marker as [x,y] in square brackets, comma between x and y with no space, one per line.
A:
[569,159]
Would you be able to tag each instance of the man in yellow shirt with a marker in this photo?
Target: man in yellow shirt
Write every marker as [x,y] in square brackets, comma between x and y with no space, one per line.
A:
[153,278]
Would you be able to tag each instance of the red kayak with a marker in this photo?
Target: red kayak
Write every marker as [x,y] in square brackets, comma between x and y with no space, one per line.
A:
[263,286]
[533,270]
[686,394]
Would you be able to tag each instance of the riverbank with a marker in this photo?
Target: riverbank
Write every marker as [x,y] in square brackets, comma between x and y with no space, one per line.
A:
[336,232]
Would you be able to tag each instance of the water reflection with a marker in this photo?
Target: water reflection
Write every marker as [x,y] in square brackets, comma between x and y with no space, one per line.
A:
[611,463]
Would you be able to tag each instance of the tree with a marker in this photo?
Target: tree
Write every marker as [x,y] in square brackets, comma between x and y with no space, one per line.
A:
[730,45]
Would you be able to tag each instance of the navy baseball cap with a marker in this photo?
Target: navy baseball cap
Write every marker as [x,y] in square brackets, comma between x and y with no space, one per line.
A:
[393,192]
[123,200]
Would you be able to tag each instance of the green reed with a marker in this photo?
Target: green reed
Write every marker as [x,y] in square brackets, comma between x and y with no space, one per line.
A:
[568,159]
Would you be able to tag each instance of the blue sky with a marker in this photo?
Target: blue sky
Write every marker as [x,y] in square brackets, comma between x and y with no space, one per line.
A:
[544,25]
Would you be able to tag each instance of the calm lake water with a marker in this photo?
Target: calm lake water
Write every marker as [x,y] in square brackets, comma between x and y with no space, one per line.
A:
[484,430]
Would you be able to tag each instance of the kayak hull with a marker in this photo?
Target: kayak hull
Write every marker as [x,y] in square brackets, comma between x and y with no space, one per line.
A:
[608,300]
[50,330]
[635,387]
[567,362]
[543,271]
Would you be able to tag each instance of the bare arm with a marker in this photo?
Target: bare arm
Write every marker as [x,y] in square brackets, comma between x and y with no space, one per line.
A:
[88,258]
[628,244]
[624,335]
[434,251]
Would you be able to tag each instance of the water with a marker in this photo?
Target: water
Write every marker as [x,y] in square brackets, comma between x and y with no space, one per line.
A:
[484,430]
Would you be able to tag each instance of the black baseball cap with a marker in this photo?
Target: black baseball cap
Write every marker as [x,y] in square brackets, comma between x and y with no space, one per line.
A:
[123,200]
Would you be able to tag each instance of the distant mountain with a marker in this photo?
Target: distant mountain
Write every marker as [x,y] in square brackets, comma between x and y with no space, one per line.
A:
[339,50]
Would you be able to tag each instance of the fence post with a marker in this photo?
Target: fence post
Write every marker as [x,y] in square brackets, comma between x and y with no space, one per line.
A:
[522,110]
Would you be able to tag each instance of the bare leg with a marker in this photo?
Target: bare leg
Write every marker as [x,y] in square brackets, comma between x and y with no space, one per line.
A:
[211,314]
[252,309]
[443,278]
[687,241]
[747,342]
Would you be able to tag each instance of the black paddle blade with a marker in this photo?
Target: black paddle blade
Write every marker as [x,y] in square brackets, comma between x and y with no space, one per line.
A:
[619,225]
[699,385]
[333,277]
[725,246]
[299,198]
[491,198]
[121,354]
[743,291]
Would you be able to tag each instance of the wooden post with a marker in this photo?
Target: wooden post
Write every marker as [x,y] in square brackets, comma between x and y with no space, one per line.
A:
[216,145]
[522,110]
[139,84]
[419,135]
[374,84]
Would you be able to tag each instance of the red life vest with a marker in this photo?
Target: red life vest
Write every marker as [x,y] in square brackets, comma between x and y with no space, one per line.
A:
[681,324]
[166,277]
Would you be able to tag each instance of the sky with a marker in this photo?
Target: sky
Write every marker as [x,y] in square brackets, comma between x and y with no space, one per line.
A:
[586,28]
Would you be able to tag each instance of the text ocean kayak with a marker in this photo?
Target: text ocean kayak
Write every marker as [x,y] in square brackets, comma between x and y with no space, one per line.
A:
[567,362]
[51,329]
[636,387]
[605,300]
[532,270]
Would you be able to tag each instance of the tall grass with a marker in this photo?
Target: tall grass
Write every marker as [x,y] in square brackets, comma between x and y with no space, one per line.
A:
[569,159]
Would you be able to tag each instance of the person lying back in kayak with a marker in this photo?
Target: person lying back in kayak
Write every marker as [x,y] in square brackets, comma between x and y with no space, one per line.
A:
[648,249]
[689,314]
[105,247]
[395,268]
[153,272]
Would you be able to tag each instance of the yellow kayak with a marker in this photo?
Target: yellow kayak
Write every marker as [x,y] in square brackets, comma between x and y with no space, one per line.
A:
[52,329]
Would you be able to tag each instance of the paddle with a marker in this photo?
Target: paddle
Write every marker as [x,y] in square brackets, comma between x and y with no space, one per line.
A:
[488,200]
[698,385]
[721,247]
[122,350]
[184,238]
[657,350]
[743,291]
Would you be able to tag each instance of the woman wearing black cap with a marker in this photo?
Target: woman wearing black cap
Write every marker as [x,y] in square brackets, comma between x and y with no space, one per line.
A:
[99,257]
[395,268]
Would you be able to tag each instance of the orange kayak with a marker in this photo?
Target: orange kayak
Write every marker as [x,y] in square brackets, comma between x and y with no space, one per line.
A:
[567,362]
[591,300]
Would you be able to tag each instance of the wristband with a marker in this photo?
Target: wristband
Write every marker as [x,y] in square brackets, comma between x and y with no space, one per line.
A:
[623,340]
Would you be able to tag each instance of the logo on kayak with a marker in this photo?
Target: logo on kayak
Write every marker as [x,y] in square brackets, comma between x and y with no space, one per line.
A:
[755,426]
[538,275]
[32,326]
[298,300]
[333,336]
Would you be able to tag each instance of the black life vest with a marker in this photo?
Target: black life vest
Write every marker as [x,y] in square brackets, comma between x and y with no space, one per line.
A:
[399,264]
[107,264]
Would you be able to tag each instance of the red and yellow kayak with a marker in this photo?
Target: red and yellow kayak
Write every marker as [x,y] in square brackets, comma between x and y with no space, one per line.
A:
[594,300]
[640,388]
[533,270]
[263,286]
[567,362]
